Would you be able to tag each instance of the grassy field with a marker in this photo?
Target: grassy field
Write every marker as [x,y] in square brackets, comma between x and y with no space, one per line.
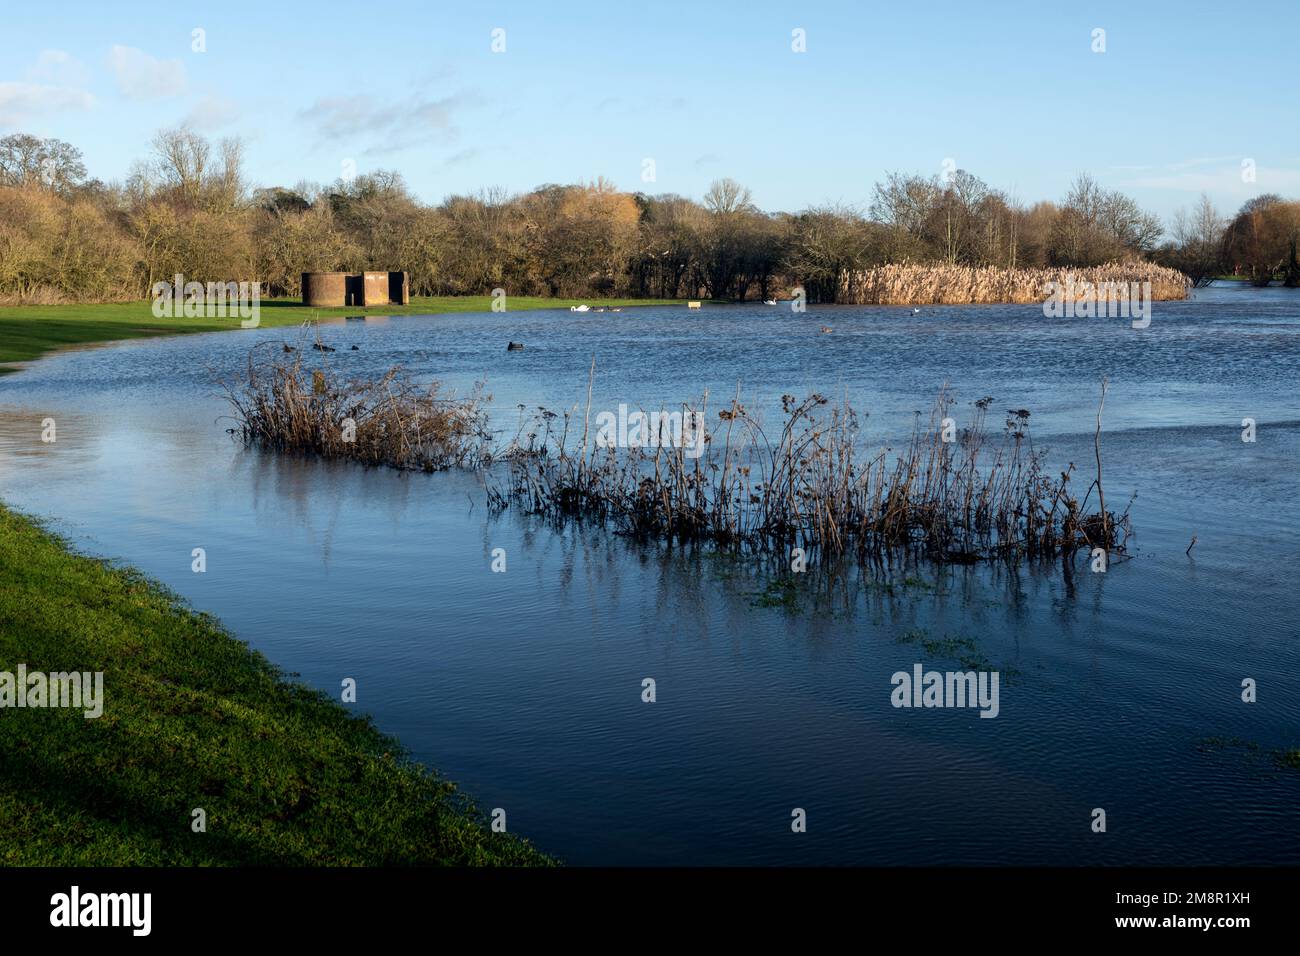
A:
[194,718]
[29,331]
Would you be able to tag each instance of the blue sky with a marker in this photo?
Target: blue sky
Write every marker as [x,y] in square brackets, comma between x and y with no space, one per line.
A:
[1013,92]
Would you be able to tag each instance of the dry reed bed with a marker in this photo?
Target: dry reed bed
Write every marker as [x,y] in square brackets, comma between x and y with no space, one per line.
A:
[933,284]
[391,421]
[811,486]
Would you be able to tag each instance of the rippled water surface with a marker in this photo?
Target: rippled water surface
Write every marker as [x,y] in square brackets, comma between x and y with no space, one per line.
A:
[1119,690]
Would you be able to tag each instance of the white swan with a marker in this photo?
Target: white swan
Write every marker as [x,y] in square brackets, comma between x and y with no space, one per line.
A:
[578,308]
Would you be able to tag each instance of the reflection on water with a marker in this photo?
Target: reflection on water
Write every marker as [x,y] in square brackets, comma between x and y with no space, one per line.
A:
[1119,689]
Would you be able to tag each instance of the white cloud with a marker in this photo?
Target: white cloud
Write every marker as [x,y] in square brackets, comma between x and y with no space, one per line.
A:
[211,112]
[22,102]
[51,86]
[58,68]
[388,126]
[1220,175]
[1204,161]
[462,157]
[142,77]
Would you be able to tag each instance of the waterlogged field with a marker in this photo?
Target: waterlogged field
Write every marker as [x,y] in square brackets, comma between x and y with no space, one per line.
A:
[776,700]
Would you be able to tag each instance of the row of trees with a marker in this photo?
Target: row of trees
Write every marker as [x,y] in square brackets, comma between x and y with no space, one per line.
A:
[189,209]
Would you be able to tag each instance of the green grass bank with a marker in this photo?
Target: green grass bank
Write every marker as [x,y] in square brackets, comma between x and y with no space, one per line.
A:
[194,718]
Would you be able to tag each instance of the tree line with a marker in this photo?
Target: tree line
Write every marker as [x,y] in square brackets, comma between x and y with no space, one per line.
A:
[188,208]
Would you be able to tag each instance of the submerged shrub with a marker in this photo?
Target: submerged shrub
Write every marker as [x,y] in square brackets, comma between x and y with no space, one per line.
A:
[812,486]
[386,421]
[950,495]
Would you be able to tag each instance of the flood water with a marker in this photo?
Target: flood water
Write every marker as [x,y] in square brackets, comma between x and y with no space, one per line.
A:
[1120,690]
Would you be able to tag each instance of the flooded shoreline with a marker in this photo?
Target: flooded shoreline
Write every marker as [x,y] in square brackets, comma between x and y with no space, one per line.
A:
[773,691]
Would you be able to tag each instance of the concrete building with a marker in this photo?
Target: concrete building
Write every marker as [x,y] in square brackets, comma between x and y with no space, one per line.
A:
[334,289]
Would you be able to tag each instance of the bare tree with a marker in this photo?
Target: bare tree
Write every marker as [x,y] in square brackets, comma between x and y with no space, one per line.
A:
[1197,241]
[27,160]
[726,196]
[180,162]
[905,205]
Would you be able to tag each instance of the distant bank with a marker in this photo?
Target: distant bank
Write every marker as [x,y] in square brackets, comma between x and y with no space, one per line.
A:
[29,331]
